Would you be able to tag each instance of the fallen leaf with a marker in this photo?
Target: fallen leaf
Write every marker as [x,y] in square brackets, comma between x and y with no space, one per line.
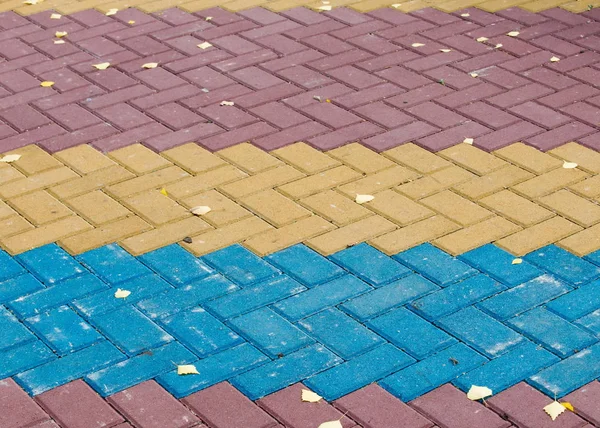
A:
[513,34]
[468,141]
[227,103]
[59,42]
[465,15]
[482,39]
[498,46]
[310,397]
[55,16]
[204,45]
[316,97]
[331,424]
[60,34]
[361,199]
[46,84]
[417,45]
[32,2]
[554,59]
[325,7]
[164,191]
[473,74]
[396,5]
[150,65]
[478,392]
[10,158]
[111,12]
[517,261]
[327,100]
[131,22]
[121,294]
[445,50]
[569,165]
[102,65]
[208,18]
[187,369]
[200,210]
[554,409]
[568,406]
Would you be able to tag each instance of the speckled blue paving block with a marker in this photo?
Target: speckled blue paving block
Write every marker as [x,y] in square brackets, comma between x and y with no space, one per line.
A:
[433,263]
[18,286]
[56,295]
[63,330]
[411,333]
[117,377]
[105,301]
[339,332]
[524,297]
[578,302]
[24,357]
[130,330]
[8,267]
[176,265]
[305,265]
[270,332]
[50,264]
[358,372]
[438,369]
[12,331]
[240,265]
[591,322]
[68,368]
[481,332]
[456,296]
[564,265]
[285,371]
[382,299]
[113,264]
[508,369]
[212,370]
[497,263]
[254,297]
[182,298]
[569,374]
[202,333]
[321,297]
[370,265]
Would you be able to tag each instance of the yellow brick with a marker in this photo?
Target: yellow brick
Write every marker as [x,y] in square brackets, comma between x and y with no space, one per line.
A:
[436,182]
[33,160]
[541,5]
[156,208]
[335,207]
[93,181]
[84,159]
[540,235]
[158,5]
[456,208]
[573,207]
[193,158]
[223,210]
[139,159]
[360,158]
[206,181]
[152,180]
[164,235]
[46,234]
[264,180]
[497,5]
[249,158]
[305,158]
[472,158]
[8,174]
[588,188]
[586,159]
[379,181]
[98,208]
[35,182]
[105,234]
[584,242]
[39,207]
[233,233]
[319,182]
[516,208]
[549,182]
[13,225]
[417,158]
[493,182]
[528,158]
[275,208]
[196,5]
[351,234]
[476,235]
[5,210]
[279,239]
[398,208]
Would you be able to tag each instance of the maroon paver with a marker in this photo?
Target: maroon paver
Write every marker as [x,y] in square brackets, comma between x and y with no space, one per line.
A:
[17,409]
[585,401]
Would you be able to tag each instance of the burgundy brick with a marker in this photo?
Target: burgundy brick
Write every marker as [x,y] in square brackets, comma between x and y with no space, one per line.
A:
[369,95]
[273,93]
[575,62]
[16,408]
[436,60]
[116,97]
[261,16]
[279,115]
[403,77]
[503,78]
[585,400]
[479,16]
[99,46]
[100,30]
[6,131]
[392,16]
[373,44]
[488,115]
[24,117]
[186,44]
[452,77]
[431,46]
[570,95]
[436,115]
[331,115]
[469,95]
[181,30]
[548,27]
[304,16]
[18,81]
[483,61]
[450,137]
[69,97]
[465,44]
[583,112]
[280,44]
[37,67]
[399,136]
[12,20]
[239,135]
[522,16]
[44,20]
[268,30]
[175,16]
[384,115]
[550,78]
[219,16]
[434,16]
[507,135]
[173,139]
[25,97]
[256,78]
[48,48]
[359,30]
[354,77]
[291,60]
[196,61]
[339,60]
[561,135]
[137,30]
[540,115]
[15,49]
[149,405]
[290,135]
[229,117]
[588,75]
[520,95]
[419,95]
[18,31]
[124,116]
[48,424]
[564,16]
[175,116]
[304,77]
[413,27]
[64,79]
[556,45]
[32,137]
[235,44]
[315,29]
[134,15]
[348,16]
[580,31]
[116,59]
[326,92]
[134,64]
[76,405]
[449,407]
[23,62]
[514,45]
[216,96]
[206,77]
[494,29]
[592,141]
[72,117]
[159,78]
[590,42]
[166,96]
[327,44]
[448,30]
[130,137]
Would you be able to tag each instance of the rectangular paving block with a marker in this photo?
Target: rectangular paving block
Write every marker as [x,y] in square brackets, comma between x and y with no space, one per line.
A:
[591,322]
[434,264]
[379,270]
[564,265]
[358,372]
[113,264]
[285,371]
[13,332]
[18,286]
[176,265]
[577,303]
[270,332]
[318,298]
[50,264]
[18,409]
[411,333]
[17,359]
[9,268]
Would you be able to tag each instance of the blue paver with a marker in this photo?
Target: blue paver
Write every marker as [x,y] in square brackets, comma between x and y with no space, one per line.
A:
[270,332]
[577,303]
[18,286]
[370,264]
[13,332]
[50,264]
[305,265]
[591,322]
[411,333]
[382,299]
[436,265]
[564,265]
[358,372]
[9,268]
[340,333]
[240,265]
[497,263]
[113,264]
[18,359]
[176,265]
[524,297]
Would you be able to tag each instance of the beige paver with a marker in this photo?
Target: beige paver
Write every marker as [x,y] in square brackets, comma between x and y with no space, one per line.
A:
[379,181]
[265,180]
[435,182]
[528,158]
[361,158]
[205,181]
[223,210]
[97,207]
[417,158]
[193,158]
[319,182]
[5,210]
[34,160]
[156,208]
[456,208]
[13,225]
[38,181]
[93,181]
[305,158]
[493,182]
[549,182]
[9,173]
[275,208]
[516,208]
[472,158]
[586,159]
[573,207]
[249,158]
[335,207]
[84,159]
[40,207]
[398,208]
[139,159]
[588,188]
[152,180]
[584,242]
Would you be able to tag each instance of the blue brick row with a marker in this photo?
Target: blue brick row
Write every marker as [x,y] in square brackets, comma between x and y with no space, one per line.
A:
[113,264]
[176,265]
[240,265]
[50,264]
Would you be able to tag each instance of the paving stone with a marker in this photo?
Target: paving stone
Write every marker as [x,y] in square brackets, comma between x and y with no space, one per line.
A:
[564,265]
[112,264]
[249,269]
[582,397]
[17,408]
[51,264]
[176,265]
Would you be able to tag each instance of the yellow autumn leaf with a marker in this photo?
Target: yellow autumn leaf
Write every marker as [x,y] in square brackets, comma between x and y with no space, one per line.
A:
[164,191]
[102,65]
[569,165]
[498,46]
[187,369]
[310,397]
[554,59]
[554,409]
[465,15]
[468,141]
[208,18]
[473,74]
[150,65]
[478,392]
[482,39]
[417,45]
[204,45]
[32,2]
[227,103]
[513,34]
[568,406]
[55,16]
[331,424]
[10,158]
[325,7]
[121,294]
[60,34]
[59,42]
[396,5]
[111,12]
[517,261]
[361,199]
[445,50]
[200,210]
[131,22]
[46,84]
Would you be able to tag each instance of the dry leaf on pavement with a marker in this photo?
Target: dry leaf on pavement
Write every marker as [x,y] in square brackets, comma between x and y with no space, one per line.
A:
[121,294]
[468,141]
[59,42]
[187,369]
[227,103]
[60,34]
[10,158]
[554,59]
[568,406]
[517,261]
[102,65]
[55,16]
[46,84]
[150,65]
[310,397]
[417,45]
[482,39]
[200,210]
[331,424]
[554,409]
[478,392]
[361,199]
[204,45]
[111,12]
[513,34]
[569,165]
